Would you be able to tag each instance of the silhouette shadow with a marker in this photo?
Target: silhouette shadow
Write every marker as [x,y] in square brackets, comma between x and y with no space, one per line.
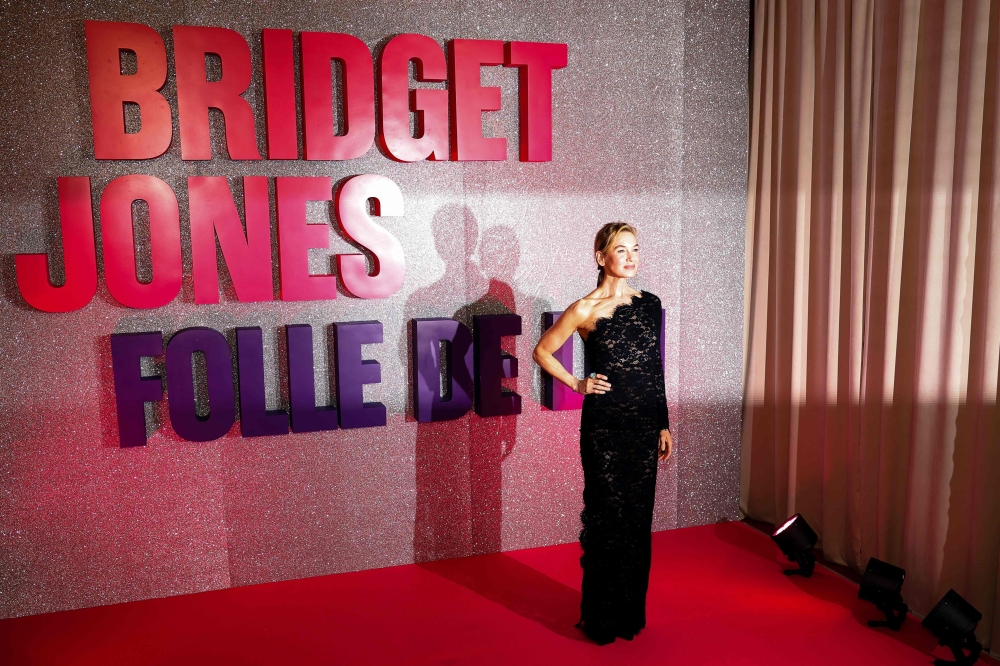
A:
[517,587]
[442,523]
[459,474]
[492,439]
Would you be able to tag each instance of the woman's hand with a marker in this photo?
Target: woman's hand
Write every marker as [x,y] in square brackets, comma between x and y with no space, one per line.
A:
[595,384]
[666,445]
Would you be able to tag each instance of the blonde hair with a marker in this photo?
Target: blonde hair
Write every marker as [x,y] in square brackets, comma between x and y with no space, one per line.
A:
[605,239]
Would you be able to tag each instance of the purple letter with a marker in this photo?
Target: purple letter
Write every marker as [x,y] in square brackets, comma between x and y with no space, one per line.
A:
[180,384]
[492,364]
[428,403]
[306,416]
[131,388]
[255,419]
[353,373]
[556,395]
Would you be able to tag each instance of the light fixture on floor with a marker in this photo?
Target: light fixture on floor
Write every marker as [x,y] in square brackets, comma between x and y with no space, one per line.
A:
[796,540]
[881,585]
[953,621]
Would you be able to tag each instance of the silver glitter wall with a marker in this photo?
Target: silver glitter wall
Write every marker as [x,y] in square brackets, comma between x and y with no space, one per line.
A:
[650,126]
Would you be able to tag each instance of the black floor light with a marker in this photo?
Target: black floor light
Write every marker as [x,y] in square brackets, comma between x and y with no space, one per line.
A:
[953,621]
[796,540]
[881,585]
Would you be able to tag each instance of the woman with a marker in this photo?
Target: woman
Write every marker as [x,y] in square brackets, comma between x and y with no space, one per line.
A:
[623,430]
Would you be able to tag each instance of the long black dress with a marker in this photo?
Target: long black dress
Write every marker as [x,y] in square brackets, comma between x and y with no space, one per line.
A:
[619,435]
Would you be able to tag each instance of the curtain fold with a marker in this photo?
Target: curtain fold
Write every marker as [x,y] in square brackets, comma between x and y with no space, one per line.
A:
[873,287]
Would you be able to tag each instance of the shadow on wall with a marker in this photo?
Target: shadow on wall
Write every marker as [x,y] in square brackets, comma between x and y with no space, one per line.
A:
[459,474]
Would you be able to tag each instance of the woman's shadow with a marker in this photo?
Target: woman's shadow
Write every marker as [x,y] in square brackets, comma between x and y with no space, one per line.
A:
[517,587]
[442,521]
[459,473]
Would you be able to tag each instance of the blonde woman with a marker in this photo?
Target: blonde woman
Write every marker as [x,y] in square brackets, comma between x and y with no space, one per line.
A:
[624,429]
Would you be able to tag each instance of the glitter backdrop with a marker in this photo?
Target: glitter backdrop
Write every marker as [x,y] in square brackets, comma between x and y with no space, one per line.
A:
[649,126]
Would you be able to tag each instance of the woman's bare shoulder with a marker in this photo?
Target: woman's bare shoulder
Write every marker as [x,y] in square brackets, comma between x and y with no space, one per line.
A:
[585,306]
[576,312]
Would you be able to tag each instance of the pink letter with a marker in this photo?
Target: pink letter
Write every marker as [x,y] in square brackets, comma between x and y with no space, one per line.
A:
[279,95]
[119,241]
[536,61]
[295,237]
[431,105]
[318,49]
[352,203]
[109,90]
[469,99]
[248,258]
[196,94]
[79,255]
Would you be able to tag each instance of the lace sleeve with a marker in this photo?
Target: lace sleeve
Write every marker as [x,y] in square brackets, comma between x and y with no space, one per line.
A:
[662,417]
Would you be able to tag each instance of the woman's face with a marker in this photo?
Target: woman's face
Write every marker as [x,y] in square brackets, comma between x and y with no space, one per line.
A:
[622,258]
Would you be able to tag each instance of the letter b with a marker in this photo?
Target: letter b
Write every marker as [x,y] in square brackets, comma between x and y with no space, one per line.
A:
[110,90]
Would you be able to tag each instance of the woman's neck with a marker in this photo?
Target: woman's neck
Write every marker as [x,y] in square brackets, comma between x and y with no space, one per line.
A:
[616,287]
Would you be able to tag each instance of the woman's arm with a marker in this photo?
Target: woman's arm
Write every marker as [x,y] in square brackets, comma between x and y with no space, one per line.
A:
[554,338]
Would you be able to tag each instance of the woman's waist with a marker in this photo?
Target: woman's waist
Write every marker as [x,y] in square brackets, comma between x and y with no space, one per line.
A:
[637,372]
[622,392]
[633,406]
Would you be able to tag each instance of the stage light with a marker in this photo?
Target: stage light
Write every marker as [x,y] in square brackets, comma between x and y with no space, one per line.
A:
[953,621]
[796,540]
[881,585]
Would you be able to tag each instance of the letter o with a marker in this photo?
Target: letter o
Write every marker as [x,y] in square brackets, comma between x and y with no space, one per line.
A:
[119,241]
[180,384]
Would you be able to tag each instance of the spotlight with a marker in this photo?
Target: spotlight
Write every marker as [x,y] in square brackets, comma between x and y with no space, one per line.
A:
[796,540]
[881,585]
[953,621]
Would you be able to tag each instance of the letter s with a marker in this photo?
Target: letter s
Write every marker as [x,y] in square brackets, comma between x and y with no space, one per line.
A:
[352,215]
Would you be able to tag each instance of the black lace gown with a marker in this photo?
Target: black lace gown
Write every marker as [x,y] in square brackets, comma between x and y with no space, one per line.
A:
[619,435]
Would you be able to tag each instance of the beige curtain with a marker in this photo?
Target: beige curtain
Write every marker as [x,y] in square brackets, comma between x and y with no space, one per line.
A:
[873,287]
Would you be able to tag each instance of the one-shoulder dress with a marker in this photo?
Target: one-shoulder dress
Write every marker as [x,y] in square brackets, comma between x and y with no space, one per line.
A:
[619,435]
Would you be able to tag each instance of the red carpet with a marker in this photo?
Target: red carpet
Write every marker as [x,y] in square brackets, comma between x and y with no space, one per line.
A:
[716,596]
